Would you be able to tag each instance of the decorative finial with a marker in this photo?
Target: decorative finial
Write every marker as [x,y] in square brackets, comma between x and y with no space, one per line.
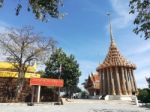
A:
[111,35]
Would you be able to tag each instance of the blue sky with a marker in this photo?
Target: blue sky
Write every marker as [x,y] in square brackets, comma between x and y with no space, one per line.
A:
[84,33]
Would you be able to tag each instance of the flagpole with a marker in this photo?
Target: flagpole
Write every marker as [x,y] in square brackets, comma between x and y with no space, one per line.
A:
[59,78]
[33,87]
[39,87]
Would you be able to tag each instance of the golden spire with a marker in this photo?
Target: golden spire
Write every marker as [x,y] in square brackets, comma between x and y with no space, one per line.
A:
[110,28]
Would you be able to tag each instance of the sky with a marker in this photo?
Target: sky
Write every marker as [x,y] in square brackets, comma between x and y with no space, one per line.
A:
[84,33]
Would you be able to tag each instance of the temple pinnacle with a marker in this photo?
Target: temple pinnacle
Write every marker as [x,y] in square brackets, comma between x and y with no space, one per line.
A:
[110,28]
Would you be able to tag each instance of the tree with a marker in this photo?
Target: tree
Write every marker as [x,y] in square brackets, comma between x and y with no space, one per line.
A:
[77,90]
[70,72]
[144,95]
[148,81]
[141,8]
[42,9]
[23,47]
[84,94]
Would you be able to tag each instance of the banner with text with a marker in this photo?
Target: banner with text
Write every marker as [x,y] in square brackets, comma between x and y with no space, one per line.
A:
[47,82]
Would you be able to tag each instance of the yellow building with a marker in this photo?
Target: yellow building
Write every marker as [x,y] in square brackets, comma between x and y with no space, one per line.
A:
[7,69]
[9,83]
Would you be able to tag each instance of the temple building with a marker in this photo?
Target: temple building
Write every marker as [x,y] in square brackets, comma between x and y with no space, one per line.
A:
[92,85]
[116,72]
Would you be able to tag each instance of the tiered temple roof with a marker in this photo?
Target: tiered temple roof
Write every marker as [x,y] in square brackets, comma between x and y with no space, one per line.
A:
[93,81]
[114,57]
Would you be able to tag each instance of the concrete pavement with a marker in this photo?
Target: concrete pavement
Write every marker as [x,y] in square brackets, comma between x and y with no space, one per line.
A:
[76,106]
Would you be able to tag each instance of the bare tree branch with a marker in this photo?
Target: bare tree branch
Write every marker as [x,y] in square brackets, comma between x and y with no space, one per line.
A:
[23,46]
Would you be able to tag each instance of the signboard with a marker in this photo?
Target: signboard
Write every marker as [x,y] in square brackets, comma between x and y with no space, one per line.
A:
[47,82]
[15,74]
[10,66]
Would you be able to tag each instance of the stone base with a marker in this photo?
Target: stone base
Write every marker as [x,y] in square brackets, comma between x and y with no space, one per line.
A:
[119,97]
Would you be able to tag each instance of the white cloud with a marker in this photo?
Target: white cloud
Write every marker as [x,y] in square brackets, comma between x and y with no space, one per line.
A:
[142,61]
[41,67]
[2,23]
[121,8]
[2,29]
[87,67]
[140,76]
[145,47]
[3,26]
[139,55]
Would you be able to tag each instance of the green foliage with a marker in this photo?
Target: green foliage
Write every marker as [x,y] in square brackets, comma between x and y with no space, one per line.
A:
[148,81]
[77,90]
[144,95]
[42,9]
[84,94]
[141,8]
[1,3]
[70,72]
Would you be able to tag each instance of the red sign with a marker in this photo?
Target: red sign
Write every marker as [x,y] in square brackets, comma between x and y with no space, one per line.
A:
[47,82]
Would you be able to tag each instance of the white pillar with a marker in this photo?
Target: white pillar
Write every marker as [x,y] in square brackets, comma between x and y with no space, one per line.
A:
[104,82]
[119,92]
[108,81]
[101,82]
[131,80]
[39,92]
[135,86]
[124,89]
[128,82]
[112,82]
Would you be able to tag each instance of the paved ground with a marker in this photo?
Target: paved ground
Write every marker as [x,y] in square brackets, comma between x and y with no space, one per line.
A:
[76,106]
